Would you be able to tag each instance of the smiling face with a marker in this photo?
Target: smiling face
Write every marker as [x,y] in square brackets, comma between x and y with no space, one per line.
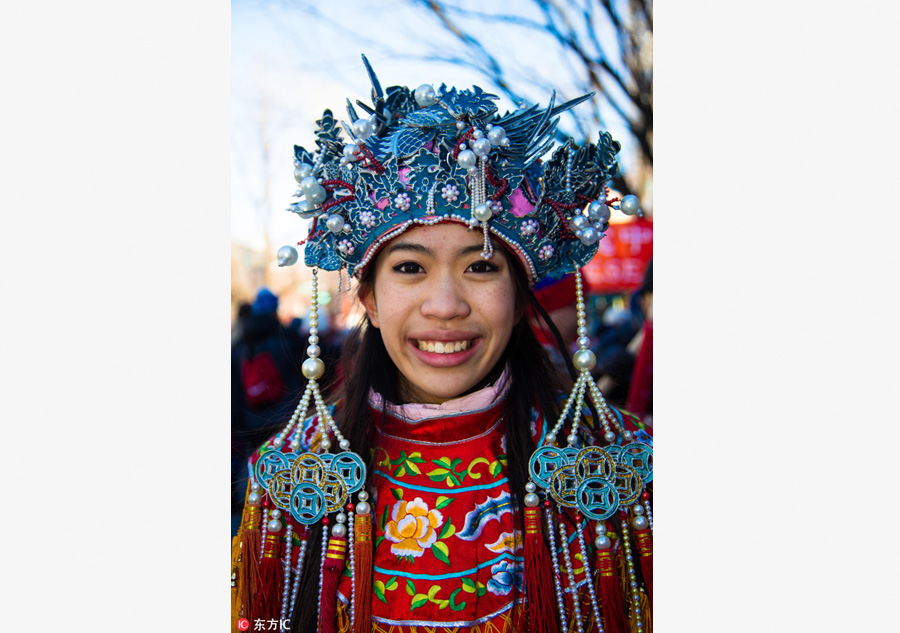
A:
[445,313]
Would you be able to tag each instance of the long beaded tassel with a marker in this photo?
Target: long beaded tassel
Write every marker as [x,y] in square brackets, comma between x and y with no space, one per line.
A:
[597,483]
[310,486]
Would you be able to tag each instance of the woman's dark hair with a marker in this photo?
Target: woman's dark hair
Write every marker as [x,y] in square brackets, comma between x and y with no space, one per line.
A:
[534,383]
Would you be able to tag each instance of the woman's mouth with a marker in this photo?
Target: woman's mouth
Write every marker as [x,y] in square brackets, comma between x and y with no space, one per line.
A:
[443,347]
[446,353]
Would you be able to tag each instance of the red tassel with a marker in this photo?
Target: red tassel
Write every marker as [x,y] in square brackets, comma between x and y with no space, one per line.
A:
[331,574]
[538,575]
[267,604]
[250,548]
[612,602]
[644,540]
[362,555]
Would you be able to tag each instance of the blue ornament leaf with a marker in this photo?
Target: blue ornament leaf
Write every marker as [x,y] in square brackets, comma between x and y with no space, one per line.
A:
[408,141]
[426,118]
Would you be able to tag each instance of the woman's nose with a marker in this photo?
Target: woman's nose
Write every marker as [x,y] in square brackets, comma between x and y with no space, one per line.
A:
[445,299]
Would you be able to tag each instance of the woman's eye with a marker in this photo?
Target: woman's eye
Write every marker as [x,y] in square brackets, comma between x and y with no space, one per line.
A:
[483,267]
[408,268]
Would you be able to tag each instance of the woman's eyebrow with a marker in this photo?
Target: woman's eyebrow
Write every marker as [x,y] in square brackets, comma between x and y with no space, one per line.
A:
[415,247]
[470,249]
[410,246]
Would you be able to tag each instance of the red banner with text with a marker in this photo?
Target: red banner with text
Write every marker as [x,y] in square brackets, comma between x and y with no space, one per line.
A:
[623,255]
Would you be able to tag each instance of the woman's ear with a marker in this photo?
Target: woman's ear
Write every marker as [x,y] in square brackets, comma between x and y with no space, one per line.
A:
[367,298]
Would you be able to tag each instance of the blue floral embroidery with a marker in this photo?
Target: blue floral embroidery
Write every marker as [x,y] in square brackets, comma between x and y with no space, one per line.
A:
[506,575]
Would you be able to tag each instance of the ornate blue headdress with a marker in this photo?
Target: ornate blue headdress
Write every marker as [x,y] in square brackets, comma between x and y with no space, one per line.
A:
[423,157]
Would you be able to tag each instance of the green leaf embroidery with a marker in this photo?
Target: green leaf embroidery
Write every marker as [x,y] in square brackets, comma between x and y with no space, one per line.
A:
[398,494]
[416,457]
[401,470]
[378,541]
[410,588]
[392,584]
[447,473]
[433,591]
[448,530]
[378,587]
[494,468]
[473,463]
[441,603]
[418,600]
[443,502]
[481,590]
[461,605]
[468,586]
[400,459]
[441,552]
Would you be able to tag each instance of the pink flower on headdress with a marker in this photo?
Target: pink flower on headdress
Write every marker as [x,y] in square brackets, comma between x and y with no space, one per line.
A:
[450,193]
[529,227]
[367,219]
[346,247]
[412,528]
[545,252]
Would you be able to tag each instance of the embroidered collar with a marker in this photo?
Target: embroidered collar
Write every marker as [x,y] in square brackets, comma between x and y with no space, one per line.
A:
[460,419]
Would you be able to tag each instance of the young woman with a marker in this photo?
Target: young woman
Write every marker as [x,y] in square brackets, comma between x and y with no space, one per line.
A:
[469,515]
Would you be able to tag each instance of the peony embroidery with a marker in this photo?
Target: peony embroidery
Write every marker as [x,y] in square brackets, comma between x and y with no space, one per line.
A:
[412,528]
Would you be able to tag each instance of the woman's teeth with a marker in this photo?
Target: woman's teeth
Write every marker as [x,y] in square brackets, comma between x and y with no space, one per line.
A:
[443,347]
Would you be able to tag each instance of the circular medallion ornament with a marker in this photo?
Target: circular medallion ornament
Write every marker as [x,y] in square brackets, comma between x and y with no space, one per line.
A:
[326,458]
[270,463]
[597,498]
[628,483]
[543,463]
[351,469]
[613,451]
[640,457]
[334,491]
[280,486]
[593,462]
[564,486]
[307,504]
[308,468]
[571,454]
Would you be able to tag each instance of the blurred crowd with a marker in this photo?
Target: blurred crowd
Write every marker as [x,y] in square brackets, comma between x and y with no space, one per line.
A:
[267,352]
